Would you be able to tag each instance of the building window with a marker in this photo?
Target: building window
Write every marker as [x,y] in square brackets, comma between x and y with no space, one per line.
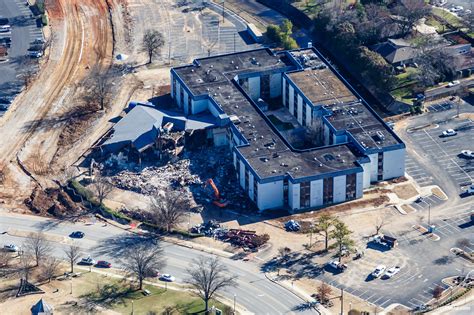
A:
[351,183]
[380,166]
[190,105]
[303,122]
[181,97]
[295,104]
[328,190]
[255,189]
[305,192]
[247,186]
[287,94]
[237,169]
[265,87]
[285,192]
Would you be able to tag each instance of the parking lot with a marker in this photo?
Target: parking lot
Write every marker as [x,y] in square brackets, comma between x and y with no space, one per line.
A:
[444,152]
[426,202]
[24,30]
[424,263]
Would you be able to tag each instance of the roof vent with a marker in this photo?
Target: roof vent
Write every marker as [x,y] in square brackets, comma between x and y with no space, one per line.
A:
[236,106]
[264,159]
[232,61]
[274,171]
[192,70]
[228,97]
[320,165]
[236,67]
[212,66]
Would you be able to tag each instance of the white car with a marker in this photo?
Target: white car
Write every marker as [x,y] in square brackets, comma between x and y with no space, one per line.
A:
[379,270]
[167,277]
[453,83]
[467,154]
[87,261]
[449,133]
[337,265]
[11,248]
[469,191]
[391,272]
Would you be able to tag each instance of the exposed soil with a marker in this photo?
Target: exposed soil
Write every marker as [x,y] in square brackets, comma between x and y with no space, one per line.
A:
[405,191]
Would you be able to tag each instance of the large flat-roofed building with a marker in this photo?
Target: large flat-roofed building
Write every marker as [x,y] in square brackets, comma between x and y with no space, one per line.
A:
[356,147]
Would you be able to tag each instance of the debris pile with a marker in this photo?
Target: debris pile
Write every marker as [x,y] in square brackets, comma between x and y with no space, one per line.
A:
[153,179]
[52,201]
[238,238]
[292,226]
[210,228]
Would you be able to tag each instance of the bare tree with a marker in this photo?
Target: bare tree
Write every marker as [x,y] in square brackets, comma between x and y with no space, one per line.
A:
[141,261]
[153,41]
[169,210]
[98,87]
[207,276]
[73,252]
[379,224]
[102,188]
[324,291]
[50,267]
[409,12]
[25,266]
[37,246]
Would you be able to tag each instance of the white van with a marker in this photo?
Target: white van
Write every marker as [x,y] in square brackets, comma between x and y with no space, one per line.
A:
[5,28]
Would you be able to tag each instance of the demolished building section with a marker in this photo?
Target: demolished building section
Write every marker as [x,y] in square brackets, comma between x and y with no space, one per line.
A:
[358,148]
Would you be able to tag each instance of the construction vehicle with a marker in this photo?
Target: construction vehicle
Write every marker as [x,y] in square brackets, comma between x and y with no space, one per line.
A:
[218,200]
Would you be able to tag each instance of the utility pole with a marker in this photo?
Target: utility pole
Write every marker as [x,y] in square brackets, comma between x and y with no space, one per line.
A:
[342,301]
[429,214]
[223,11]
[235,295]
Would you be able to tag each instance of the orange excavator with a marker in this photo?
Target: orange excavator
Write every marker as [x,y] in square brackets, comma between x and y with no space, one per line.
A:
[218,201]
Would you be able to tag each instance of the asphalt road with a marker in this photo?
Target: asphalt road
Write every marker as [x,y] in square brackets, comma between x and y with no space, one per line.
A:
[23,32]
[254,291]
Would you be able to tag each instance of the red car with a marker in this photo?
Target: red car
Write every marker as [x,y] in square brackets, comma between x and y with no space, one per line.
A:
[103,264]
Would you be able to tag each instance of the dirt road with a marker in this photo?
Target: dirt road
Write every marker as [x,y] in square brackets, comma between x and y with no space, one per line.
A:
[29,132]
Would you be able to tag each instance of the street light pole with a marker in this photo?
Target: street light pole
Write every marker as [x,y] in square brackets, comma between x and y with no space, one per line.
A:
[429,214]
[235,295]
[342,301]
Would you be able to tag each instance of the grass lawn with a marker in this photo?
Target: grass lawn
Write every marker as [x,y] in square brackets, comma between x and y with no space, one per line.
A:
[447,16]
[404,78]
[403,95]
[440,28]
[117,295]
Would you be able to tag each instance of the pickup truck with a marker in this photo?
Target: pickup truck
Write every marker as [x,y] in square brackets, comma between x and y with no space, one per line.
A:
[385,240]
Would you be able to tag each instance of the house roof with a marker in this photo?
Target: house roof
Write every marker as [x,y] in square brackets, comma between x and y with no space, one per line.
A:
[41,307]
[141,126]
[395,50]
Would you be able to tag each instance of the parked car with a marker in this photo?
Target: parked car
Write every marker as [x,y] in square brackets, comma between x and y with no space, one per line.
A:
[470,191]
[467,154]
[167,277]
[11,248]
[453,83]
[77,234]
[449,133]
[5,28]
[87,261]
[391,272]
[103,264]
[35,54]
[379,270]
[335,264]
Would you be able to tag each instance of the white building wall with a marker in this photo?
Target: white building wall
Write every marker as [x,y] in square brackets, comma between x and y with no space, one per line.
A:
[359,185]
[185,102]
[373,166]
[200,106]
[339,188]
[178,94]
[172,84]
[339,139]
[219,137]
[242,174]
[234,159]
[270,195]
[393,164]
[293,195]
[275,85]
[250,185]
[254,88]
[291,100]
[300,109]
[326,134]
[366,175]
[316,193]
[308,115]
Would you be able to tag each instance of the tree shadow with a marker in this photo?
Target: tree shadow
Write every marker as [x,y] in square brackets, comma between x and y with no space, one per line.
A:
[108,295]
[445,260]
[304,306]
[119,245]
